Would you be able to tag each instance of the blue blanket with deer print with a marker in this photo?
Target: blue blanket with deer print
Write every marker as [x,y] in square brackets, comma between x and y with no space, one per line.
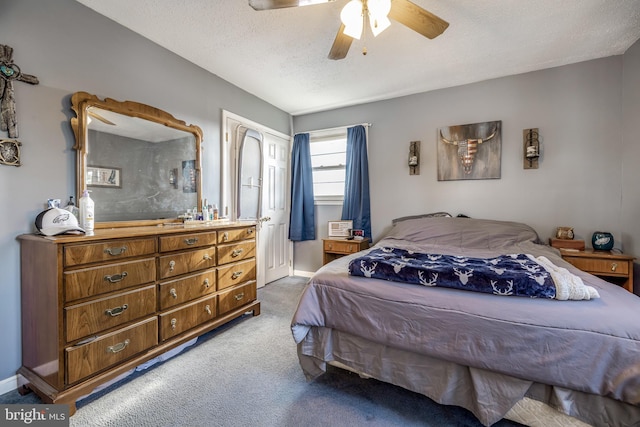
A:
[513,274]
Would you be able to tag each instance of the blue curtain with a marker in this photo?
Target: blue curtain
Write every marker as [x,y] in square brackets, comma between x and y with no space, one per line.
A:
[302,223]
[357,203]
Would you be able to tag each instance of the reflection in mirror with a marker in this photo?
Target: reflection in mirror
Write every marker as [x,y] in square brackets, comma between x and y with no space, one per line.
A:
[140,164]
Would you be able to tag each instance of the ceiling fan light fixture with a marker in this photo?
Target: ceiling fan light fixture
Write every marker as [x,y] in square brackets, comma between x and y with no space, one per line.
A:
[351,17]
[378,25]
[378,12]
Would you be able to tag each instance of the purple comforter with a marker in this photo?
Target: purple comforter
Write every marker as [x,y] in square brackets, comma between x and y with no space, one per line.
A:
[590,346]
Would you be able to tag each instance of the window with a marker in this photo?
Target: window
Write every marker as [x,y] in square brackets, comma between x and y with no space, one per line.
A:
[328,160]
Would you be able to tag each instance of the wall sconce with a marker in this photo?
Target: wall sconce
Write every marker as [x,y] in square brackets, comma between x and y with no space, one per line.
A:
[531,142]
[414,158]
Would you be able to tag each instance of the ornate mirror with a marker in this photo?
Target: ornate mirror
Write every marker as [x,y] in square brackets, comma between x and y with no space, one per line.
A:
[141,164]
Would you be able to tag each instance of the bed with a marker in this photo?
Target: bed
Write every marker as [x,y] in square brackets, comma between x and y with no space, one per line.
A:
[494,353]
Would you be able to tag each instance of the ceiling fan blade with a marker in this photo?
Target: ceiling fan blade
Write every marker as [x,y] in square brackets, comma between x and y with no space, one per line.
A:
[280,4]
[341,45]
[416,18]
[99,117]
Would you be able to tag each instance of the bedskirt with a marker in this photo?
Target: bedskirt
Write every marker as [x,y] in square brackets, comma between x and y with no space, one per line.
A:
[490,396]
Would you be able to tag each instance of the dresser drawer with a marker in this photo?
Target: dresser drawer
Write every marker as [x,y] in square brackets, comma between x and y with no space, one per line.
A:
[600,265]
[187,262]
[187,289]
[107,251]
[186,317]
[236,234]
[236,251]
[98,315]
[236,297]
[235,274]
[107,278]
[187,241]
[105,351]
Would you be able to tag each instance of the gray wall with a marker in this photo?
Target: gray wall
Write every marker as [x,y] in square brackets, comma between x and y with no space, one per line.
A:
[71,48]
[586,176]
[631,153]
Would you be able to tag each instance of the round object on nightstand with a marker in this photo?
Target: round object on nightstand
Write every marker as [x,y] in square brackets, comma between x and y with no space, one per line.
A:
[602,241]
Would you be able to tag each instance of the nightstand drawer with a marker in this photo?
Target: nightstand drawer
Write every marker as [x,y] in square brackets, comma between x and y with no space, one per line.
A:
[341,247]
[600,266]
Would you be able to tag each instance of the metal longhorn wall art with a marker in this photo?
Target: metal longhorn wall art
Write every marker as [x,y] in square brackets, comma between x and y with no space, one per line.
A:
[470,151]
[10,72]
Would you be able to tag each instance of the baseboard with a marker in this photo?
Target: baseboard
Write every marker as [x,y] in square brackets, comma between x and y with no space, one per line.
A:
[9,384]
[303,273]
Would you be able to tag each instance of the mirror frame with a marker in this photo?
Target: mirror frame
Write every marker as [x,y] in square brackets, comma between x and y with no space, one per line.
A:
[82,101]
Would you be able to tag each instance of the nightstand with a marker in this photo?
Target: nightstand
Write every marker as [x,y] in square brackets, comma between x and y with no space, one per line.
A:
[614,267]
[336,248]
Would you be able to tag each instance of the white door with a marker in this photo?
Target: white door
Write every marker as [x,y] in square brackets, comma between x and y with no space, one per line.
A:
[275,230]
[273,245]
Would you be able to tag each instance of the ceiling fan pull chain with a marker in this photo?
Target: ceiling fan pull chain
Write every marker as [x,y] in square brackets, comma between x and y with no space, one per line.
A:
[365,18]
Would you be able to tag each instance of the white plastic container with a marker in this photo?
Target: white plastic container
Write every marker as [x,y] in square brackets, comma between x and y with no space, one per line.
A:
[87,210]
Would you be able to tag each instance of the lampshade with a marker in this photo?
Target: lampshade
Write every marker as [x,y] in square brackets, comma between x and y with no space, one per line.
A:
[352,16]
[378,11]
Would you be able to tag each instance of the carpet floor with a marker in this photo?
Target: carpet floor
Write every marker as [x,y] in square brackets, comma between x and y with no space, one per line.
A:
[247,373]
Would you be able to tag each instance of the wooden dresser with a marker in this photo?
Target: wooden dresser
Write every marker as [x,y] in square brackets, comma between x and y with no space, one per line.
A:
[94,307]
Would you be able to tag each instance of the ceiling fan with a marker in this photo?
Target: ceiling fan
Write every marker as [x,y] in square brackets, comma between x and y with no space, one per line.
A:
[376,12]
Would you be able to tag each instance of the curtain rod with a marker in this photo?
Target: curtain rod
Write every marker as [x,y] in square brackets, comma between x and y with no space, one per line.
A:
[337,128]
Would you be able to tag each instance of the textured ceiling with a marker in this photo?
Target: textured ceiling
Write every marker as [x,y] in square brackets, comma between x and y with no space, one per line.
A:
[281,55]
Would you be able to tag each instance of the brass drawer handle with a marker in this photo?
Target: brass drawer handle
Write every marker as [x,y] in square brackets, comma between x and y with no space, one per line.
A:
[236,274]
[117,311]
[239,296]
[115,251]
[225,236]
[206,283]
[236,253]
[614,266]
[172,265]
[207,308]
[173,293]
[118,347]
[250,231]
[174,322]
[206,257]
[191,241]
[115,278]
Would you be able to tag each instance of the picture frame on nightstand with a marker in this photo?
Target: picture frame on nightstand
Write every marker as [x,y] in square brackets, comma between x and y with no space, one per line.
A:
[340,228]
